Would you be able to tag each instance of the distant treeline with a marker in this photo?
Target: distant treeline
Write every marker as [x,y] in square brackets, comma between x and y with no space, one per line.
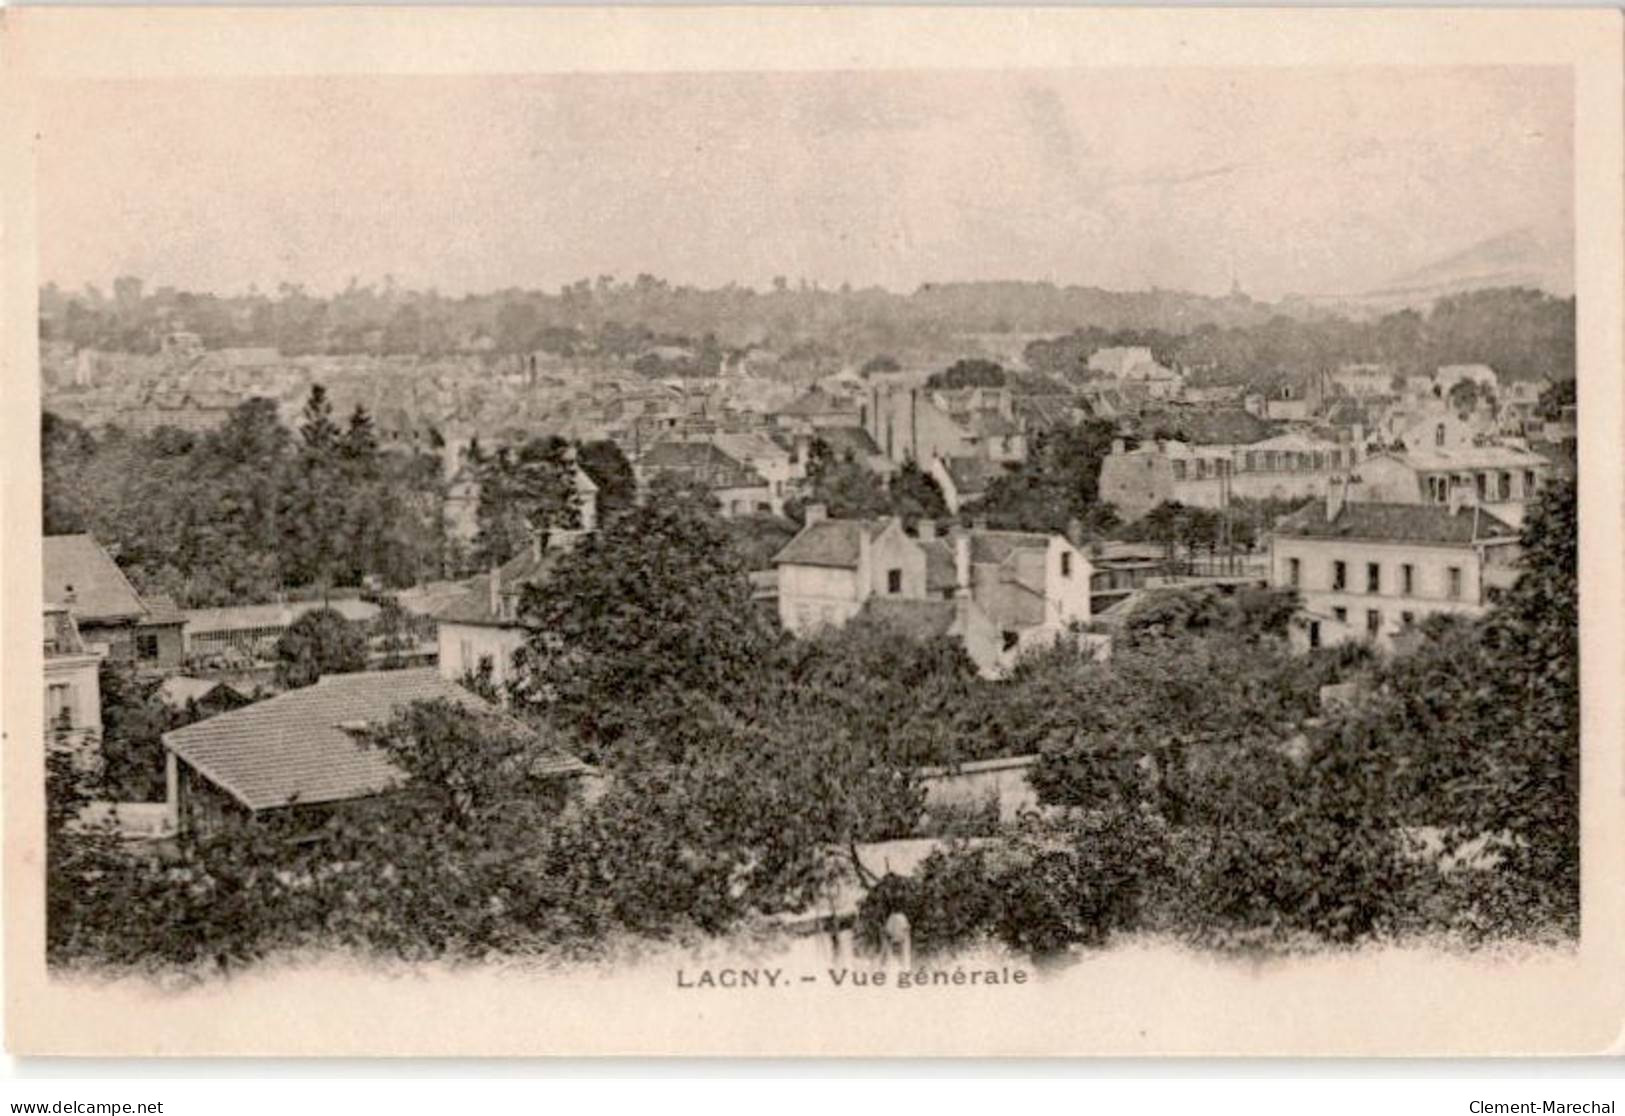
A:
[663,329]
[1522,334]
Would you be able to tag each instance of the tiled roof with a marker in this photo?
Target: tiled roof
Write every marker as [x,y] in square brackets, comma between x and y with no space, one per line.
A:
[161,610]
[701,462]
[829,542]
[80,574]
[1471,457]
[996,546]
[474,606]
[1417,523]
[291,748]
[1228,427]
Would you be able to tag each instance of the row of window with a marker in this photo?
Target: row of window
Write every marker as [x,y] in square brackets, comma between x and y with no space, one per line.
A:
[1498,488]
[1267,461]
[1374,578]
[1373,623]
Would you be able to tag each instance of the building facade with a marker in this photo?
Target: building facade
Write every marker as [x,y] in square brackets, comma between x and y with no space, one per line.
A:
[1001,592]
[1367,571]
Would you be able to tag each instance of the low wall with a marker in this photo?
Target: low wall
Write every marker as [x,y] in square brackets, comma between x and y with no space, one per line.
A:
[972,784]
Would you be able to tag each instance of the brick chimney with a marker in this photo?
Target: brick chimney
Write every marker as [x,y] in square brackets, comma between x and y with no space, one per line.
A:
[495,587]
[816,513]
[925,529]
[962,581]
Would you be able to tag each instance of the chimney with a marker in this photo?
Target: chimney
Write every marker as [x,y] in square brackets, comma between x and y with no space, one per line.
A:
[1118,446]
[816,513]
[495,586]
[1461,496]
[962,562]
[925,529]
[1337,494]
[1074,531]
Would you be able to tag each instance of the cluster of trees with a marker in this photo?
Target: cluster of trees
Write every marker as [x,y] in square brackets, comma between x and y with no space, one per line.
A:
[1521,333]
[849,489]
[1193,784]
[1190,793]
[1057,486]
[802,322]
[249,509]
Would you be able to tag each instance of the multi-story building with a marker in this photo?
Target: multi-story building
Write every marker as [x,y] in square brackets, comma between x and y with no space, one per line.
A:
[80,575]
[1289,466]
[479,633]
[1368,570]
[73,703]
[1501,479]
[1001,592]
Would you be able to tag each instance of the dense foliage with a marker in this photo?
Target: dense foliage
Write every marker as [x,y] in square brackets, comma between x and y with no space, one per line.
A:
[321,641]
[1195,785]
[1523,334]
[247,510]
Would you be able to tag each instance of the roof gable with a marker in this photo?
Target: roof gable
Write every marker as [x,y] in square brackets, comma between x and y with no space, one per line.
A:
[835,543]
[79,573]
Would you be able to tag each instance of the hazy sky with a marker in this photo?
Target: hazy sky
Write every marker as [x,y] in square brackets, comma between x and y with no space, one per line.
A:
[1308,180]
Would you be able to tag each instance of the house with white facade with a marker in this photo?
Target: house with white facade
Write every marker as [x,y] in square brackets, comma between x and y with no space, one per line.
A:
[73,704]
[479,633]
[1368,570]
[1285,467]
[1502,479]
[1001,592]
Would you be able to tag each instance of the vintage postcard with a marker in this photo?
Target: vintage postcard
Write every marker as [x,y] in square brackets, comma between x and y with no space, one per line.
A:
[813,531]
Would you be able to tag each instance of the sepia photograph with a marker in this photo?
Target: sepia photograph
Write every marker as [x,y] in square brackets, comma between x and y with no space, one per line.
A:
[720,542]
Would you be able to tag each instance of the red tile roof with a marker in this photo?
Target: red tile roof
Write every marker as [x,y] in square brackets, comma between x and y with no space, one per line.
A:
[291,748]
